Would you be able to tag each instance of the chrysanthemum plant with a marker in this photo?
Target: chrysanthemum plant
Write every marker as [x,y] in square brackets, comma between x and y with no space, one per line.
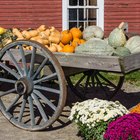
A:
[93,116]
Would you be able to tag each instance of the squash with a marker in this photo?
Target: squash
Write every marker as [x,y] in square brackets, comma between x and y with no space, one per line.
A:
[55,36]
[95,46]
[41,28]
[133,44]
[93,31]
[117,37]
[66,37]
[2,30]
[76,32]
[121,51]
[33,33]
[26,34]
[17,33]
[52,48]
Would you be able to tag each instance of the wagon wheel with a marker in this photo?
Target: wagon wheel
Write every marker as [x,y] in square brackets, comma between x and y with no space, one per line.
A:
[34,94]
[88,82]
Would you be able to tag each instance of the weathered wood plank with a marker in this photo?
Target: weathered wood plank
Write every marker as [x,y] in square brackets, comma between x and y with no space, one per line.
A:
[108,63]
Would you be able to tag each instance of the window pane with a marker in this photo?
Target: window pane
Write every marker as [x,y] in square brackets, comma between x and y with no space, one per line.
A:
[91,14]
[81,14]
[81,2]
[73,2]
[92,2]
[72,24]
[72,14]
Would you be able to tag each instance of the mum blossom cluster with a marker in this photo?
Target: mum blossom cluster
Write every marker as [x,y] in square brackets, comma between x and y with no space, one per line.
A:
[126,127]
[92,111]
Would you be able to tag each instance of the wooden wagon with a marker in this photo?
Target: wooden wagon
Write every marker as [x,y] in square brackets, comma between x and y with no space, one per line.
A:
[35,82]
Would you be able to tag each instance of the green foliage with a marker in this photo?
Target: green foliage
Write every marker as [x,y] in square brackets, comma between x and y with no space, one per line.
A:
[94,132]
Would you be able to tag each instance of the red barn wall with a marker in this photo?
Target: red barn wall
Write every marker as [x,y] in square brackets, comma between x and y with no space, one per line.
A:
[117,11]
[30,13]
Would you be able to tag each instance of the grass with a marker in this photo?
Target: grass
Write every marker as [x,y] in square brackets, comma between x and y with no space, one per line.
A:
[132,78]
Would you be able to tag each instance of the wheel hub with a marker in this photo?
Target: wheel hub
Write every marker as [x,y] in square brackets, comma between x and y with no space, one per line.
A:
[24,86]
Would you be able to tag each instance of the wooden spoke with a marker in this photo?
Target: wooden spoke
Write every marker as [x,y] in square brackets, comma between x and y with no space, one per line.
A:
[9,70]
[22,109]
[40,68]
[44,98]
[46,78]
[47,89]
[13,103]
[40,108]
[3,93]
[23,60]
[32,62]
[15,63]
[30,100]
[7,80]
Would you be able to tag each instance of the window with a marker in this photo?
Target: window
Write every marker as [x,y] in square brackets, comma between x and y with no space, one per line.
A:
[82,13]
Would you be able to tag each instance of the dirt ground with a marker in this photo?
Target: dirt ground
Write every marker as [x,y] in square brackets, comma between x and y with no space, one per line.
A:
[63,129]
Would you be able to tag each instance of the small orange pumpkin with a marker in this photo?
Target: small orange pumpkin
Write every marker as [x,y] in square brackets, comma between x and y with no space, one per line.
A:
[76,32]
[75,42]
[68,49]
[66,37]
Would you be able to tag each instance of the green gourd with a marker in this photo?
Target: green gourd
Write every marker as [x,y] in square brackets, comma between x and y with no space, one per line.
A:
[93,31]
[95,46]
[117,37]
[133,44]
[121,51]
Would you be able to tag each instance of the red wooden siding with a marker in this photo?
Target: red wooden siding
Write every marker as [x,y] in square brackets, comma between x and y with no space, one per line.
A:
[117,11]
[30,13]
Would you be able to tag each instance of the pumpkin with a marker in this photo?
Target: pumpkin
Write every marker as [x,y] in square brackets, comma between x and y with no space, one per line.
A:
[92,31]
[121,51]
[68,48]
[117,37]
[133,44]
[75,42]
[76,32]
[95,46]
[66,37]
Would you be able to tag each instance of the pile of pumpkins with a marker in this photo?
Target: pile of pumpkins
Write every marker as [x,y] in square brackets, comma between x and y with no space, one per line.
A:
[89,41]
[50,37]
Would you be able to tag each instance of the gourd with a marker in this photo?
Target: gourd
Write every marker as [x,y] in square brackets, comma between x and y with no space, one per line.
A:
[121,51]
[95,46]
[117,37]
[66,37]
[133,44]
[76,32]
[93,31]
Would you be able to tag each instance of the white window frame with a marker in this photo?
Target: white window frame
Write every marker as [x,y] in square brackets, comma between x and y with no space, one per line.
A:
[99,14]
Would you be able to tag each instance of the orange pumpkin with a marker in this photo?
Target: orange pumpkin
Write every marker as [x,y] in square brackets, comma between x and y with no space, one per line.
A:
[61,44]
[75,42]
[68,48]
[76,32]
[66,37]
[82,41]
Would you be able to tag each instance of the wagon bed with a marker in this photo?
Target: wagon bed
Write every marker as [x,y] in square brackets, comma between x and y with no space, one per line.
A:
[35,81]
